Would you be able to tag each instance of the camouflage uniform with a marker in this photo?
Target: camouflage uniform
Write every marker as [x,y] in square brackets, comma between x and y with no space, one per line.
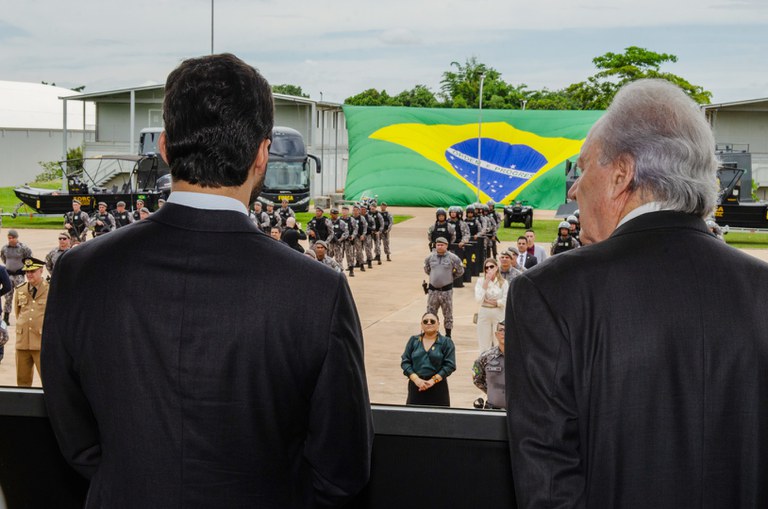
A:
[388,223]
[349,244]
[368,241]
[108,223]
[362,233]
[378,227]
[79,222]
[12,257]
[52,257]
[330,262]
[339,239]
[442,270]
[283,213]
[488,376]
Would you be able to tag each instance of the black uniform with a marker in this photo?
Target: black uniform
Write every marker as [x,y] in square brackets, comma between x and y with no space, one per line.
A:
[563,244]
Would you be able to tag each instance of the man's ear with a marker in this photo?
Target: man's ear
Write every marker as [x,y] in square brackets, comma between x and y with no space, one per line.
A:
[262,157]
[622,175]
[161,147]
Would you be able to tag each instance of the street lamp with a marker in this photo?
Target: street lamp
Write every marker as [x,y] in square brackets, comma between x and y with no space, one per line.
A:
[479,134]
[211,27]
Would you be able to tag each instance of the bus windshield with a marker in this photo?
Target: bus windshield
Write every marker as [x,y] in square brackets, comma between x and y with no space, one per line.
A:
[286,176]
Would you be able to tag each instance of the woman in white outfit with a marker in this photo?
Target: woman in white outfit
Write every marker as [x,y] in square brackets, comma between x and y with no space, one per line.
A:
[491,293]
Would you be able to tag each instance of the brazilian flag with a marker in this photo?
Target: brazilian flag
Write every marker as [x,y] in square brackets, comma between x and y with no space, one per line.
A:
[429,157]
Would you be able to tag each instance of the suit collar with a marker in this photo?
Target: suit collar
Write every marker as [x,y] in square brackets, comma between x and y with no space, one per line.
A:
[191,218]
[665,219]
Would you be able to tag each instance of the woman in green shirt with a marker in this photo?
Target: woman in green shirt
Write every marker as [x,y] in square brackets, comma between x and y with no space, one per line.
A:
[427,361]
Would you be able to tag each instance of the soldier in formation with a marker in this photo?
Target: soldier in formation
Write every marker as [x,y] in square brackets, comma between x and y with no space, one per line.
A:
[564,241]
[76,222]
[259,217]
[321,254]
[368,240]
[102,221]
[319,228]
[137,211]
[349,245]
[339,237]
[441,229]
[284,212]
[378,227]
[389,222]
[122,216]
[13,255]
[362,234]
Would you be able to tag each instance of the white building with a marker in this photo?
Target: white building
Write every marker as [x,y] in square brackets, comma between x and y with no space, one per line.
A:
[742,126]
[122,114]
[31,128]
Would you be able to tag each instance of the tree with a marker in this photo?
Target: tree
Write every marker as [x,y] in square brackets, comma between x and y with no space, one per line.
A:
[617,69]
[419,96]
[288,89]
[461,88]
[370,97]
[76,89]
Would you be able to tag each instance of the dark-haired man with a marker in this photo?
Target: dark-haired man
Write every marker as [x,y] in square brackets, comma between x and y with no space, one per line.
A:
[53,256]
[526,260]
[182,407]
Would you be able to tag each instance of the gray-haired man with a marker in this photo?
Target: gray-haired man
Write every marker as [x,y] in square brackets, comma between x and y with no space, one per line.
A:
[638,364]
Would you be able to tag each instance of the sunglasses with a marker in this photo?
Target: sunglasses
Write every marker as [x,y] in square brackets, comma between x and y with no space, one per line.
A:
[429,321]
[490,267]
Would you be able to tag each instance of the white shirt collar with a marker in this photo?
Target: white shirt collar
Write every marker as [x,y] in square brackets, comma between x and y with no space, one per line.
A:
[207,201]
[645,208]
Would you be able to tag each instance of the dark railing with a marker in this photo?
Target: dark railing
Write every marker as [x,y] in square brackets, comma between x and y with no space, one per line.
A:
[422,457]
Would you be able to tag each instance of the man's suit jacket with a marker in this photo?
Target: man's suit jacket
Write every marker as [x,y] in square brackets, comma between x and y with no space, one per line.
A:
[529,261]
[171,383]
[637,372]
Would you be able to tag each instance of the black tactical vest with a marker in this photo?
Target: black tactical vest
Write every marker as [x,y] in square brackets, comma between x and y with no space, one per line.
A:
[562,245]
[440,230]
[457,228]
[121,218]
[337,231]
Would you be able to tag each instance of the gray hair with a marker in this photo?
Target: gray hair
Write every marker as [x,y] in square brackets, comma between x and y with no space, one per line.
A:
[670,141]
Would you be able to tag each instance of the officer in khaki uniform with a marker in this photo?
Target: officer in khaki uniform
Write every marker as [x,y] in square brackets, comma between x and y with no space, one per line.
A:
[29,307]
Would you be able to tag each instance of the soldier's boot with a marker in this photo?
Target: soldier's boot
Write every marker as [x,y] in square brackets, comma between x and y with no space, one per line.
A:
[378,259]
[389,259]
[351,271]
[370,264]
[5,317]
[362,267]
[448,332]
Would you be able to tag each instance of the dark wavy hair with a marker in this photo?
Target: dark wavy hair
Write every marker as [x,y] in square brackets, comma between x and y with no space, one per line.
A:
[217,111]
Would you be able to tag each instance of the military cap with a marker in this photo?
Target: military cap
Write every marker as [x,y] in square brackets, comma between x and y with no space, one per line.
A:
[139,200]
[441,240]
[322,243]
[344,207]
[31,264]
[513,250]
[160,201]
[64,235]
[121,203]
[13,233]
[144,209]
[364,206]
[356,206]
[334,211]
[318,207]
[75,201]
[102,203]
[383,204]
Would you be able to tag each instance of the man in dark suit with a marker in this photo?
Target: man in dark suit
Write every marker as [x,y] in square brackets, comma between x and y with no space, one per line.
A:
[196,394]
[637,367]
[526,260]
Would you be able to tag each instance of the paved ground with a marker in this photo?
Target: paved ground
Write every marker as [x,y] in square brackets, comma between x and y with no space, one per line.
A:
[390,302]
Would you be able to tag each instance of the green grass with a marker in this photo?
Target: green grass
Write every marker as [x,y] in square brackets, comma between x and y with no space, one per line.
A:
[747,240]
[545,229]
[8,202]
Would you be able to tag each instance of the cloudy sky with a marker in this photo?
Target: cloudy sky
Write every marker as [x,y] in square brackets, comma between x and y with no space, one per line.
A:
[342,47]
